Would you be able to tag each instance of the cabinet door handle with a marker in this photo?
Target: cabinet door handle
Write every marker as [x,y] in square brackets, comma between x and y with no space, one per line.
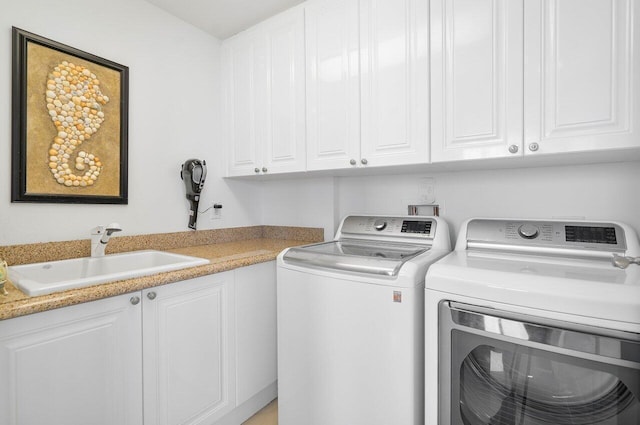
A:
[152,295]
[513,148]
[256,170]
[264,169]
[364,161]
[352,162]
[134,300]
[533,147]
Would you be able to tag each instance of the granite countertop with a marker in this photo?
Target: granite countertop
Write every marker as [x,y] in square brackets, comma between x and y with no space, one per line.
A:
[222,256]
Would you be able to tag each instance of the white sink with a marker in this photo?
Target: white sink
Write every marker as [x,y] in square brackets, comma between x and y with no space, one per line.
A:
[45,278]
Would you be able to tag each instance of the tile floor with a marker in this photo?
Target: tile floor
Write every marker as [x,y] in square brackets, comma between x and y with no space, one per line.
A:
[268,415]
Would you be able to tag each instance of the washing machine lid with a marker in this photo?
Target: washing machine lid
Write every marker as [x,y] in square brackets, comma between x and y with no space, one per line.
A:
[361,256]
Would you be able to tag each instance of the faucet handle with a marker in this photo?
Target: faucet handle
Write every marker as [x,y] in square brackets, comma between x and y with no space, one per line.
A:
[110,228]
[113,227]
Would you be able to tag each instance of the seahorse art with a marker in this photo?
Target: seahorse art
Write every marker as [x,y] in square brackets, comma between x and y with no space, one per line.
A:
[74,102]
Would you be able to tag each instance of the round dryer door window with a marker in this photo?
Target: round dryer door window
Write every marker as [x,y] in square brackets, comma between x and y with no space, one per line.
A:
[502,385]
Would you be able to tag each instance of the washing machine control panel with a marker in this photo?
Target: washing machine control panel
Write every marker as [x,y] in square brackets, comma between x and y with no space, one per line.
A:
[551,234]
[528,231]
[380,225]
[399,227]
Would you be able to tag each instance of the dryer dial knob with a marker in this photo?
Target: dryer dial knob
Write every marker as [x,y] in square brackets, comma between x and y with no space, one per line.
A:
[380,225]
[528,231]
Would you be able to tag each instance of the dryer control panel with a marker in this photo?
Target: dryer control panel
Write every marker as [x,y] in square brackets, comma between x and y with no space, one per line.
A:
[588,236]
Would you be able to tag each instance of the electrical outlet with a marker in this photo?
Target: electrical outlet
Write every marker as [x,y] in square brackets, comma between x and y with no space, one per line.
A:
[427,190]
[216,211]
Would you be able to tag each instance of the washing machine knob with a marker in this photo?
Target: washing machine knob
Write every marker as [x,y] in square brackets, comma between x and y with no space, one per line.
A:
[528,231]
[380,225]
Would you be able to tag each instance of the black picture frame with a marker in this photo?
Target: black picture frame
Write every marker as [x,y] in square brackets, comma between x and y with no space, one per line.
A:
[52,183]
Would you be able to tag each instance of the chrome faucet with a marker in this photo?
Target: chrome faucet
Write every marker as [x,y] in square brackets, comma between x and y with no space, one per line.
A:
[100,236]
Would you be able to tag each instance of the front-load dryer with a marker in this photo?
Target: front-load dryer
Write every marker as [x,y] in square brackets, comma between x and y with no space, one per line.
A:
[351,323]
[529,322]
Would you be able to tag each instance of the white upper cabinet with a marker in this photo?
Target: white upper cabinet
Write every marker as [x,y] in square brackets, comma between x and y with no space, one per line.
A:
[338,84]
[394,66]
[264,116]
[582,75]
[242,130]
[476,79]
[333,83]
[575,91]
[367,83]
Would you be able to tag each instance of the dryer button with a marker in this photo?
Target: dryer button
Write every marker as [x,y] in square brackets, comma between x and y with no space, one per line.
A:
[528,231]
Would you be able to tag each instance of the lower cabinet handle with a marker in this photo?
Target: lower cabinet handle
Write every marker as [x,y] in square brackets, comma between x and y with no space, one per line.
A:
[134,300]
[151,295]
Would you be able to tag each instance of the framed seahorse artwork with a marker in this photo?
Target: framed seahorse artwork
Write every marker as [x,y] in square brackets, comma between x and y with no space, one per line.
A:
[69,124]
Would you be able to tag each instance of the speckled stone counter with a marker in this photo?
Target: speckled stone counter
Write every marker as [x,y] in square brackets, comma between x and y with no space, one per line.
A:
[226,249]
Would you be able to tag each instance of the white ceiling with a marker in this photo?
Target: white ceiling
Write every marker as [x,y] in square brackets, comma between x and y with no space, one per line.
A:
[224,18]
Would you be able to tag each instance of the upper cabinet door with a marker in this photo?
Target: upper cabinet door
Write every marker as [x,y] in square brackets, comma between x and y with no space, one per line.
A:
[240,59]
[394,48]
[476,79]
[333,84]
[284,149]
[264,97]
[582,75]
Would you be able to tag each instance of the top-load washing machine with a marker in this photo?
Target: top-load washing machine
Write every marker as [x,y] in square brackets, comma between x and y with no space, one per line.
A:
[351,323]
[529,322]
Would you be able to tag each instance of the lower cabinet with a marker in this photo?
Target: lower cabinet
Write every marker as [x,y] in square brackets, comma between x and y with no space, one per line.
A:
[188,351]
[78,365]
[256,342]
[200,351]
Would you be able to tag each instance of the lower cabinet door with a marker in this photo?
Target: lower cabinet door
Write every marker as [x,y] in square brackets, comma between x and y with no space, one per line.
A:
[188,351]
[78,365]
[256,342]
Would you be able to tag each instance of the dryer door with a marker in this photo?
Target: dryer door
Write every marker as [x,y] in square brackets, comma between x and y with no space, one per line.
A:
[511,370]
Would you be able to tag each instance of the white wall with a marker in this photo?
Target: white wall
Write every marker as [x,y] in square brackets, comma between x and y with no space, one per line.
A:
[173,110]
[594,191]
[309,202]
